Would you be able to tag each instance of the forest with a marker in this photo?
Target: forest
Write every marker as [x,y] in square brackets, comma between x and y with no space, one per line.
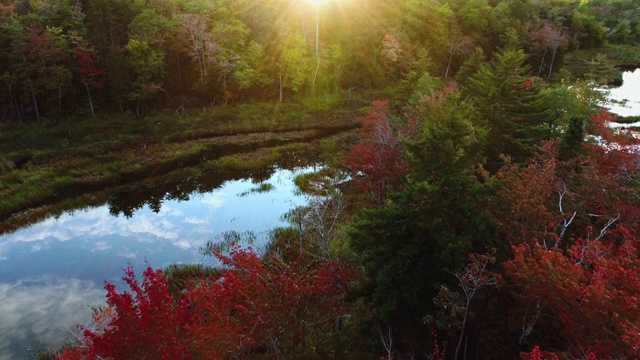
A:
[489,211]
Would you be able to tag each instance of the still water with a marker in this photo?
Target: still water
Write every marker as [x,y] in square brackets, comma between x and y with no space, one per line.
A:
[626,98]
[52,272]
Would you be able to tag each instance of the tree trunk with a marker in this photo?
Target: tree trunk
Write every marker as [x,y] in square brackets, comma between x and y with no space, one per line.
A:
[464,325]
[315,73]
[446,74]
[35,102]
[542,61]
[280,78]
[555,50]
[93,114]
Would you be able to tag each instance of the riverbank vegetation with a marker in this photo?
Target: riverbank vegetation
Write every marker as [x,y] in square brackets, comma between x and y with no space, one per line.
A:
[48,168]
[485,210]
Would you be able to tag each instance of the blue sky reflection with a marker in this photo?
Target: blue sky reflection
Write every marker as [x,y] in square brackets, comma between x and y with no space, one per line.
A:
[52,271]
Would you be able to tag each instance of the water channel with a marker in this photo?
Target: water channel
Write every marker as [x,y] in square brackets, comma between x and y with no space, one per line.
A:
[52,272]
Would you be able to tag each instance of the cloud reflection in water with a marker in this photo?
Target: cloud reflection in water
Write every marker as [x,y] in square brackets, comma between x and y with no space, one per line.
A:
[46,309]
[52,271]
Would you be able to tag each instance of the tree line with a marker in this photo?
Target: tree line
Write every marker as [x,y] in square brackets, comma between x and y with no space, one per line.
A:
[75,58]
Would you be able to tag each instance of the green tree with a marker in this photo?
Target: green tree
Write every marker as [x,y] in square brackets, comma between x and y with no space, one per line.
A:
[432,224]
[572,139]
[294,64]
[337,57]
[230,34]
[251,70]
[589,32]
[107,30]
[37,61]
[470,66]
[602,71]
[147,64]
[511,106]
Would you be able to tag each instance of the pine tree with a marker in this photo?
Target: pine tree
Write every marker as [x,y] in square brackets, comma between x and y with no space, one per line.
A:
[602,71]
[573,138]
[511,106]
[430,225]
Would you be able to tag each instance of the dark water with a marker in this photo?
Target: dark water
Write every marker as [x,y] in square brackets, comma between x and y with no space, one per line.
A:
[52,272]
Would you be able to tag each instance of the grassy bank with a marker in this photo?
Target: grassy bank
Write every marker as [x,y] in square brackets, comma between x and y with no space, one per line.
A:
[68,165]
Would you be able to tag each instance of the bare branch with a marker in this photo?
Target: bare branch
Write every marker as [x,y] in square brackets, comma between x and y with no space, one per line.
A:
[527,327]
[565,222]
[387,342]
[609,223]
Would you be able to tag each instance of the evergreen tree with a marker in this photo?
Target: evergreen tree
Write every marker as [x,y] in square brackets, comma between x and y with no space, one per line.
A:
[432,224]
[602,71]
[511,106]
[573,138]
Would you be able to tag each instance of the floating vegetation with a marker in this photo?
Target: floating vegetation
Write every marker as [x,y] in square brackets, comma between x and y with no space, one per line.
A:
[321,182]
[262,188]
[226,240]
[627,119]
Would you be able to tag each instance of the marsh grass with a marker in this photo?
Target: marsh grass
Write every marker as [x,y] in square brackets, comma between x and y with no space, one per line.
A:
[627,119]
[42,166]
[181,276]
[6,166]
[254,160]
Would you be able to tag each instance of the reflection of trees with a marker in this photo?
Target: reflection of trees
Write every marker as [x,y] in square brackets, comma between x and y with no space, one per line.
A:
[127,202]
[153,194]
[311,228]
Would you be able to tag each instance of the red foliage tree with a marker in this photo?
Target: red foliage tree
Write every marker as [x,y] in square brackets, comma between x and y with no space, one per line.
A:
[257,308]
[144,324]
[591,290]
[378,160]
[537,354]
[248,308]
[532,202]
[89,73]
[88,69]
[573,226]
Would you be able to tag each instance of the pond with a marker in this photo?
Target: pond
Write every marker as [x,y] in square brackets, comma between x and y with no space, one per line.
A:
[52,272]
[625,100]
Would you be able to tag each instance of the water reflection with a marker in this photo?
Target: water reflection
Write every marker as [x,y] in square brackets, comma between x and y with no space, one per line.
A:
[626,97]
[153,195]
[52,271]
[36,313]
